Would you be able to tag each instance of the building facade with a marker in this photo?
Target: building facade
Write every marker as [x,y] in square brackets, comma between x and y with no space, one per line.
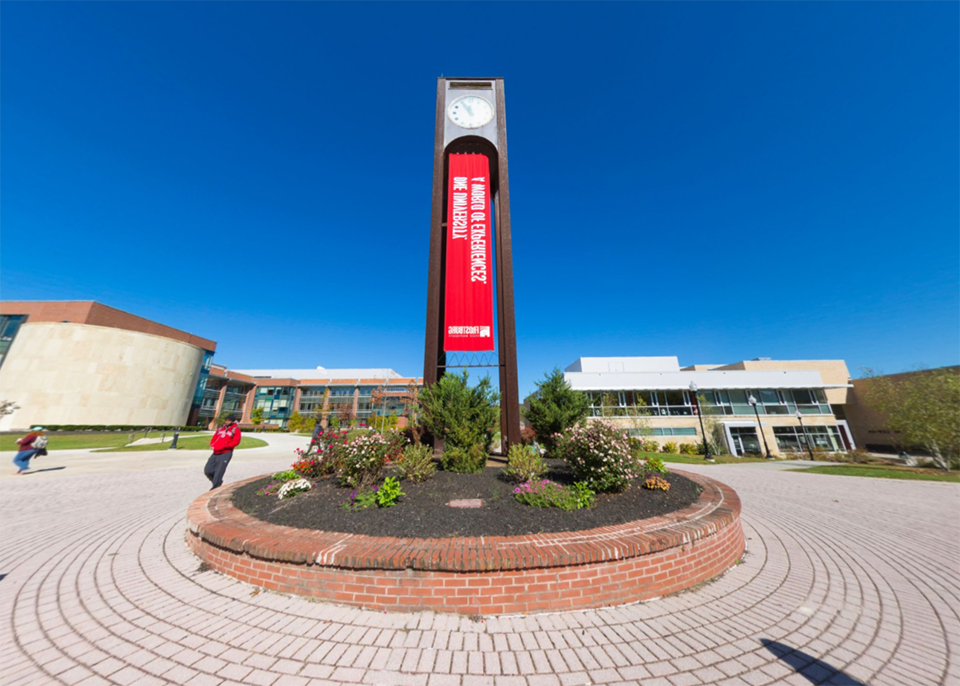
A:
[751,406]
[83,363]
[279,393]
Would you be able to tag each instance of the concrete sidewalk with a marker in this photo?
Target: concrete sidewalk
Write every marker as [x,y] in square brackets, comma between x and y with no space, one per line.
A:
[846,581]
[65,463]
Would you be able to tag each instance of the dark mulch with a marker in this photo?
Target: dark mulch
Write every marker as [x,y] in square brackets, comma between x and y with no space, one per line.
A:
[423,512]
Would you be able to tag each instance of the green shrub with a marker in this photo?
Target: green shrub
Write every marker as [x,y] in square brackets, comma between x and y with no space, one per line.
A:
[288,475]
[389,492]
[463,416]
[361,460]
[360,499]
[651,446]
[554,408]
[545,493]
[471,461]
[671,448]
[655,464]
[599,455]
[524,464]
[689,449]
[416,463]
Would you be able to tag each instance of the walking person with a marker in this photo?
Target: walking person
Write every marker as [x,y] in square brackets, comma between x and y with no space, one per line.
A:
[224,440]
[30,445]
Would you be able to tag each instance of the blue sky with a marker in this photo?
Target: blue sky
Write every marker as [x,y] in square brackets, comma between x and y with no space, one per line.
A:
[712,181]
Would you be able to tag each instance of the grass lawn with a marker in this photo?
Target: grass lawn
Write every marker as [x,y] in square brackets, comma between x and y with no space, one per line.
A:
[80,441]
[885,472]
[188,443]
[695,459]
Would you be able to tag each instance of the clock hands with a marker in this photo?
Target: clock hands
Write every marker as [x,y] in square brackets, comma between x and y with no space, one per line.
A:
[467,108]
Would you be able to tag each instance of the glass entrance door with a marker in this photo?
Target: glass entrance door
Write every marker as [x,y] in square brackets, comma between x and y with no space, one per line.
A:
[745,440]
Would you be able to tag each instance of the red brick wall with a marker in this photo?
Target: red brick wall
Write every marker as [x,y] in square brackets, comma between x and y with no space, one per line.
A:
[491,575]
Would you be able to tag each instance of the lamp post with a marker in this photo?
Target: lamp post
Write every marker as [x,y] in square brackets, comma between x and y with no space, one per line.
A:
[806,439]
[696,404]
[753,403]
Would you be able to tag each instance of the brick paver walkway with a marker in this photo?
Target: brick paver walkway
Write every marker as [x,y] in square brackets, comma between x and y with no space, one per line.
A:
[846,581]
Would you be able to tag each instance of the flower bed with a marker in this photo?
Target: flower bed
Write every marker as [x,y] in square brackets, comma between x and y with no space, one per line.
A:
[606,565]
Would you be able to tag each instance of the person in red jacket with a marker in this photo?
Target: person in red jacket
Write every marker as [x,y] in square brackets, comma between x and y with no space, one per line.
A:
[224,440]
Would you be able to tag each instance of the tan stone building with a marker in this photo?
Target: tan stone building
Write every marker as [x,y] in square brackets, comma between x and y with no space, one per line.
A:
[83,363]
[87,364]
[754,406]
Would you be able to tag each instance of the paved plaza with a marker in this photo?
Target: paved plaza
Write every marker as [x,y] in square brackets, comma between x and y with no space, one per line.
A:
[845,581]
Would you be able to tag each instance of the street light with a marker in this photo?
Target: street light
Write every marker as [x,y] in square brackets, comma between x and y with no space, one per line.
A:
[753,402]
[805,438]
[706,446]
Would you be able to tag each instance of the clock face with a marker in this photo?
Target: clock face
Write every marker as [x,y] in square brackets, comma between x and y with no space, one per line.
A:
[470,111]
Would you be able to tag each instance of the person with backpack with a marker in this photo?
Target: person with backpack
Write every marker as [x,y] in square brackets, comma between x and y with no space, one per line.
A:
[224,440]
[30,445]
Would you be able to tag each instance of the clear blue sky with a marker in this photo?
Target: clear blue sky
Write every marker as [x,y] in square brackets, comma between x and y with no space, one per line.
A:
[712,181]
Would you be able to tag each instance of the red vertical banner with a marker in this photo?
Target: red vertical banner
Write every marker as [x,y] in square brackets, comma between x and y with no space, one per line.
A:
[468,312]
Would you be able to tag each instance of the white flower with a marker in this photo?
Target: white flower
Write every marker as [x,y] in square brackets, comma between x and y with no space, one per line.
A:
[294,486]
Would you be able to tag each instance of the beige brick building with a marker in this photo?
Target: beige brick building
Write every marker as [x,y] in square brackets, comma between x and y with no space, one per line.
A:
[753,406]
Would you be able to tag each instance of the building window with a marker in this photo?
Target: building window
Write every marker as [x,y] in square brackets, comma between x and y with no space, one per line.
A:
[9,325]
[793,439]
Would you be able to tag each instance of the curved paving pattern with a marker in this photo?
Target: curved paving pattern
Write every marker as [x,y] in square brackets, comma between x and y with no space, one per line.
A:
[846,581]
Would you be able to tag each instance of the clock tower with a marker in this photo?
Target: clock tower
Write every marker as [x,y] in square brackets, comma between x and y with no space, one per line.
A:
[471,262]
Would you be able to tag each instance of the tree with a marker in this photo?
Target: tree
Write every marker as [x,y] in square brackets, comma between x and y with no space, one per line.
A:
[555,407]
[295,423]
[923,407]
[715,434]
[378,396]
[462,415]
[411,402]
[256,416]
[345,414]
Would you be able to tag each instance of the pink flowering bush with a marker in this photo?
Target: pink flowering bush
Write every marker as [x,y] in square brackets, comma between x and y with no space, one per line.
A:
[599,455]
[361,460]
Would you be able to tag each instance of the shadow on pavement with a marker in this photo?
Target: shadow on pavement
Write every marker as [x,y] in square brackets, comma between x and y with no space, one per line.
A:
[809,667]
[45,469]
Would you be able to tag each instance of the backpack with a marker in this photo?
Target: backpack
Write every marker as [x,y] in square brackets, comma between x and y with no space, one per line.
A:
[39,443]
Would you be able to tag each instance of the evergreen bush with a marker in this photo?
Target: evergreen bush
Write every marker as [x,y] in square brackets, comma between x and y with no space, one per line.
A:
[464,461]
[463,416]
[554,408]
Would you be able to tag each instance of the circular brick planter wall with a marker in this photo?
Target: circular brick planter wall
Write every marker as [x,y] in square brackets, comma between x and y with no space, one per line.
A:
[609,565]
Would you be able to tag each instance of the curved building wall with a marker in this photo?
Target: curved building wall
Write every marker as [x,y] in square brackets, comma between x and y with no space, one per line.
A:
[68,373]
